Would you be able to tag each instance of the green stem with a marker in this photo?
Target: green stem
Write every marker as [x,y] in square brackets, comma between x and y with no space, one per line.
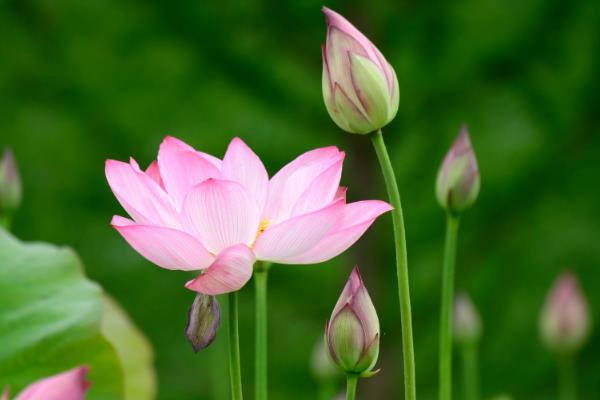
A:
[446,309]
[261,274]
[567,380]
[410,390]
[351,383]
[235,371]
[218,361]
[470,366]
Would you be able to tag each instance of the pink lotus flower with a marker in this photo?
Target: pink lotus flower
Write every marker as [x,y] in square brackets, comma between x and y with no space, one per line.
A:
[193,211]
[69,385]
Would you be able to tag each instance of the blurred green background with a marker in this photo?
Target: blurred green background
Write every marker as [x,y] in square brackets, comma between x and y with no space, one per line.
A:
[83,81]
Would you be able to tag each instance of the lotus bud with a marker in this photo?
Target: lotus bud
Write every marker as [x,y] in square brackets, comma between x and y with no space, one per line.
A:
[352,333]
[565,319]
[204,319]
[467,324]
[360,87]
[10,184]
[321,365]
[458,181]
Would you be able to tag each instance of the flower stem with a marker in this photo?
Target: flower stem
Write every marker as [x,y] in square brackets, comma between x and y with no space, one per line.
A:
[567,380]
[446,309]
[218,361]
[261,274]
[410,390]
[470,366]
[235,371]
[351,383]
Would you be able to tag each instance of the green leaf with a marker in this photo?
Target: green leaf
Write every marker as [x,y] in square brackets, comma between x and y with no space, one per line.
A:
[50,317]
[133,349]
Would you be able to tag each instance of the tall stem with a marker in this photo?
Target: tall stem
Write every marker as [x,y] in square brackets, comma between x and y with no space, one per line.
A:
[410,390]
[567,380]
[235,371]
[351,383]
[218,360]
[260,280]
[470,371]
[446,308]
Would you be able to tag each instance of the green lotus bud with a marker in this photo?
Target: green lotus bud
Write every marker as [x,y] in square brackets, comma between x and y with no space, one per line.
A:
[204,319]
[10,185]
[565,319]
[353,332]
[458,181]
[360,87]
[467,324]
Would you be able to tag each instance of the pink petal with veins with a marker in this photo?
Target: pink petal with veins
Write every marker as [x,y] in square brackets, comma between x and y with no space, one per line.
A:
[230,272]
[242,165]
[220,214]
[282,242]
[355,219]
[166,247]
[139,195]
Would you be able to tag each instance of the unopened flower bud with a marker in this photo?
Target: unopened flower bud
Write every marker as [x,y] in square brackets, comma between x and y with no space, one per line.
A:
[353,332]
[565,320]
[10,184]
[360,87]
[458,181]
[467,324]
[203,321]
[321,365]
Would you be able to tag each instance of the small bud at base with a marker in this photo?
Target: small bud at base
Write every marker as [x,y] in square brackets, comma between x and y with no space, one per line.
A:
[204,318]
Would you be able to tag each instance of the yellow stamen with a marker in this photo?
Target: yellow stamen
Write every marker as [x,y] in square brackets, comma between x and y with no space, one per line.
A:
[264,224]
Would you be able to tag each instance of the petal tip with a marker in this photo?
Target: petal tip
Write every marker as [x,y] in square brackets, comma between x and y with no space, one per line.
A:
[355,274]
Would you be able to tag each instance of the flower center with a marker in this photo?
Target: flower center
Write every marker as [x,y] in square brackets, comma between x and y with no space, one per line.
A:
[264,224]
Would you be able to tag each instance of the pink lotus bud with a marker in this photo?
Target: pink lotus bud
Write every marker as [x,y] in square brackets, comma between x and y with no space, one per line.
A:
[69,385]
[10,184]
[360,87]
[467,324]
[458,181]
[353,332]
[565,320]
[204,319]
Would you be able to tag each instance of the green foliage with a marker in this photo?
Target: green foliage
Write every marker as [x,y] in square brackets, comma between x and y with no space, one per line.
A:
[53,319]
[50,319]
[133,349]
